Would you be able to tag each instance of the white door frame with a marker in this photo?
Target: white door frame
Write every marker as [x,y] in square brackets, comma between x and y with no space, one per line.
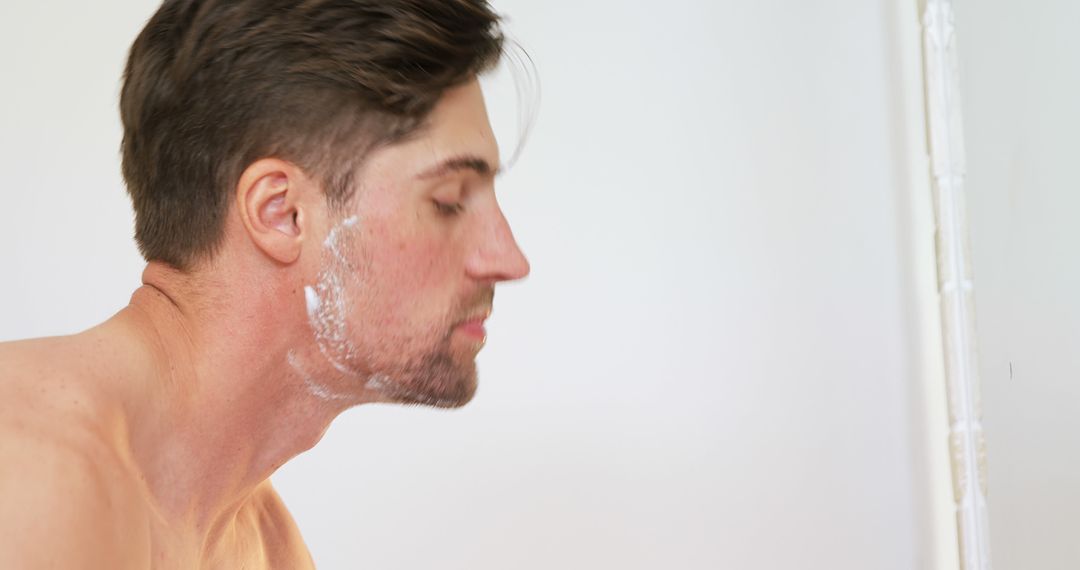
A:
[967,446]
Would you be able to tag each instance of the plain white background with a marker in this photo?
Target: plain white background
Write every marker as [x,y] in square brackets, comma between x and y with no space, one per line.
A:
[1021,82]
[713,362]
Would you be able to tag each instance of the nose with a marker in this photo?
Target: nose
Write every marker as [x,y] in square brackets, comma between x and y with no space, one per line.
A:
[496,255]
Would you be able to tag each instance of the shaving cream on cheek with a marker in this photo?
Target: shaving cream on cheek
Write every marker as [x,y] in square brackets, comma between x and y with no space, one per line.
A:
[329,302]
[328,307]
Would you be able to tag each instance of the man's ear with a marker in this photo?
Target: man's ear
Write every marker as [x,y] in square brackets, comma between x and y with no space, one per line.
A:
[268,197]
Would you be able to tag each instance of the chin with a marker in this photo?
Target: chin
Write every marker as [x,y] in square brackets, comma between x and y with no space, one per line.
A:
[456,394]
[440,382]
[438,399]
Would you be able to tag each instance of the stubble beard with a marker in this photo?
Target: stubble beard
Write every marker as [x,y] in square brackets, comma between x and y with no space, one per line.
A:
[439,378]
[442,377]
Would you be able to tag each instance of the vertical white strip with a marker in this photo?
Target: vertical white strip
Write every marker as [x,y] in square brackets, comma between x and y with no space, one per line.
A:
[966,441]
[937,544]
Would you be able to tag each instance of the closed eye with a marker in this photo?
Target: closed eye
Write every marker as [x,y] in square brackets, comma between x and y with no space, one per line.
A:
[448,209]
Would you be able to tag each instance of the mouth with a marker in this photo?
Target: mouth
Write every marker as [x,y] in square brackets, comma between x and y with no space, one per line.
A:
[474,326]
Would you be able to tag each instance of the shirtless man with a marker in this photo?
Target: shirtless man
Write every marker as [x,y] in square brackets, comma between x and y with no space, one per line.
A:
[313,188]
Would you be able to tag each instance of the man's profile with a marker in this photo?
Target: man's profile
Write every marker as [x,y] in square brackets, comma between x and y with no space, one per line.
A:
[313,185]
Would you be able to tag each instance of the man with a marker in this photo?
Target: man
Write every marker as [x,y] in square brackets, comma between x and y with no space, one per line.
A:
[313,189]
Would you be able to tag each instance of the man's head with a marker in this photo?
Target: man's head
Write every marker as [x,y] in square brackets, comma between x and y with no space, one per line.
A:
[213,85]
[346,144]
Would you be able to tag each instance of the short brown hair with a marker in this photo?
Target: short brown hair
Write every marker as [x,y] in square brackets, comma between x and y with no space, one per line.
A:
[213,85]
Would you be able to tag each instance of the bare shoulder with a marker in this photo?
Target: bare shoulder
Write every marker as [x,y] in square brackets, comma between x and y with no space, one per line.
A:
[49,383]
[65,500]
[61,507]
[36,372]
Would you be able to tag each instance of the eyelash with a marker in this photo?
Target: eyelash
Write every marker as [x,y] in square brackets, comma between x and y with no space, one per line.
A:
[449,209]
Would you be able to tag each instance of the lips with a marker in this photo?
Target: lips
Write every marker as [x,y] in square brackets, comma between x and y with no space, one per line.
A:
[474,326]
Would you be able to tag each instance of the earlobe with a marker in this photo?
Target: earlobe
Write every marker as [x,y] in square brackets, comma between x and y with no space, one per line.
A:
[268,198]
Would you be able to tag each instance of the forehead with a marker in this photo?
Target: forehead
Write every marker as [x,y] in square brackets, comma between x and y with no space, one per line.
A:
[457,128]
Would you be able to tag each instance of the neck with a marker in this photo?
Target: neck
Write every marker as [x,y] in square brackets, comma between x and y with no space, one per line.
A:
[215,407]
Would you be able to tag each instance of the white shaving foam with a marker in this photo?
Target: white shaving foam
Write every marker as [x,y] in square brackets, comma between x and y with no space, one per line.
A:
[328,307]
[317,389]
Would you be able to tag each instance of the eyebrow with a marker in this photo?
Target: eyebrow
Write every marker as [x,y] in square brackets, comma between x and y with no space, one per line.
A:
[456,164]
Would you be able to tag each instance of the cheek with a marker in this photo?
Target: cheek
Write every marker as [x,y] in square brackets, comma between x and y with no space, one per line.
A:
[423,265]
[413,282]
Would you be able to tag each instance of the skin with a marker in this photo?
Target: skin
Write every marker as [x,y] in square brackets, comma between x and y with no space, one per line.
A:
[147,441]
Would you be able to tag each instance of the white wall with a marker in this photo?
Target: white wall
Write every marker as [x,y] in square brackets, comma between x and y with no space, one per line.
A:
[68,260]
[1021,82]
[716,361]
